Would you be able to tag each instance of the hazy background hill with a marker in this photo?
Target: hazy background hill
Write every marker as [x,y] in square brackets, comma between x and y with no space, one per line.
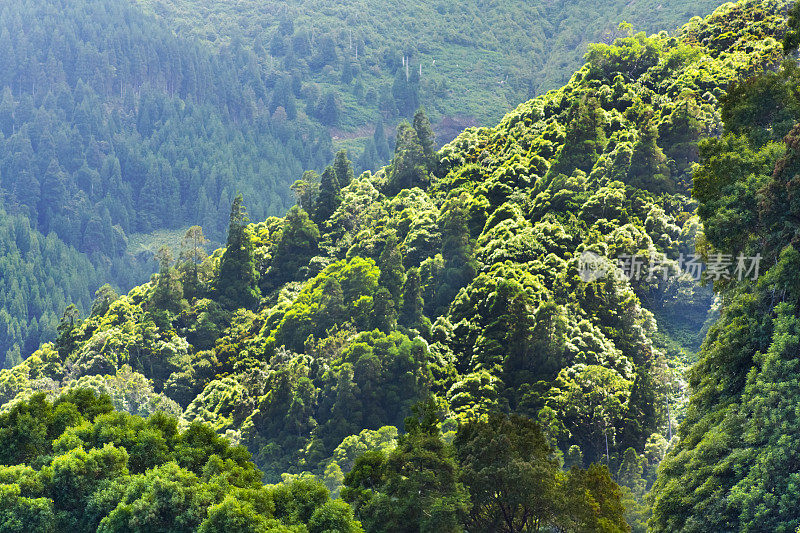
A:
[468,60]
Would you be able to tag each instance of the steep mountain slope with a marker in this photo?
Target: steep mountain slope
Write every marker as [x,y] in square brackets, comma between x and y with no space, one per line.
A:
[118,120]
[41,276]
[456,272]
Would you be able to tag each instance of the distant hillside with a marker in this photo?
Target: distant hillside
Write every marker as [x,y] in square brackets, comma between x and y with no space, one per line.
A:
[382,59]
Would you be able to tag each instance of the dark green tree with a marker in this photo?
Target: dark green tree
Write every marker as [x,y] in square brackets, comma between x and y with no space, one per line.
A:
[409,167]
[168,292]
[343,168]
[299,242]
[392,271]
[192,255]
[328,109]
[330,196]
[422,125]
[585,138]
[411,308]
[306,190]
[648,168]
[66,342]
[237,285]
[459,264]
[413,489]
[381,143]
[511,472]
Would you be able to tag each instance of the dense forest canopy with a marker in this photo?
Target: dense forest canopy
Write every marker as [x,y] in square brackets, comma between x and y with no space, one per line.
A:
[431,320]
[735,465]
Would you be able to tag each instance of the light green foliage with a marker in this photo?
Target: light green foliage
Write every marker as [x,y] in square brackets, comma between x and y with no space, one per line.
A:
[110,471]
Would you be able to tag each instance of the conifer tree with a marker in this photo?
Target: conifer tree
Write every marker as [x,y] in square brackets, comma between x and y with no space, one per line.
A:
[459,265]
[168,292]
[381,143]
[299,243]
[328,110]
[66,341]
[422,125]
[384,310]
[236,285]
[343,168]
[409,166]
[392,271]
[411,309]
[192,254]
[306,190]
[329,196]
[648,168]
[585,138]
[369,159]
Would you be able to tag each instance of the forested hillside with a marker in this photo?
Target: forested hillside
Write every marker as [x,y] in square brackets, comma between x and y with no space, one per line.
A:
[449,285]
[110,126]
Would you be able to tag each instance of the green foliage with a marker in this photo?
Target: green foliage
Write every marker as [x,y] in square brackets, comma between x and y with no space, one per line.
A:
[459,60]
[413,488]
[409,167]
[512,474]
[94,469]
[730,469]
[299,242]
[120,127]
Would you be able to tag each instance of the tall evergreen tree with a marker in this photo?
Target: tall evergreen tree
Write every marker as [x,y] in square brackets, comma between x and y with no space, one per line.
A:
[422,125]
[381,143]
[392,271]
[236,285]
[648,168]
[168,292]
[585,138]
[192,254]
[459,265]
[66,341]
[306,190]
[329,198]
[298,244]
[409,167]
[343,168]
[411,309]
